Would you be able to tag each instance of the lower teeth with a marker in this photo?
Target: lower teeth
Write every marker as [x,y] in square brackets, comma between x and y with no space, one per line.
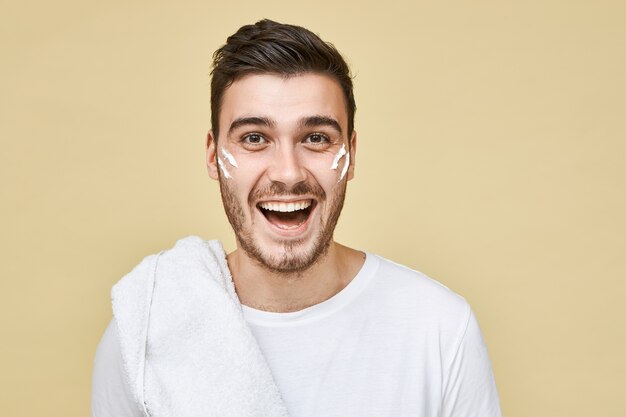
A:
[285,227]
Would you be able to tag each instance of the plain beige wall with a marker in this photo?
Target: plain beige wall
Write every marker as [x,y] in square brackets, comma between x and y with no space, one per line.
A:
[492,156]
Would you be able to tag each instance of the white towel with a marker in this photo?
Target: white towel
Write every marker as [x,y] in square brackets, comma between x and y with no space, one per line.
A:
[186,348]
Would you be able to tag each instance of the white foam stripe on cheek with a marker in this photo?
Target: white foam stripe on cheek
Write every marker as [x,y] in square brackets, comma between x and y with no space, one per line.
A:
[229,157]
[220,163]
[345,167]
[338,156]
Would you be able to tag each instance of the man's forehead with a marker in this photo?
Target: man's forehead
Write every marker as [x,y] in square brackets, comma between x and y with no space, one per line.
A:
[274,99]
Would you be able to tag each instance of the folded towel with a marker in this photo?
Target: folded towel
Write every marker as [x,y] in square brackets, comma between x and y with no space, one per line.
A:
[185,345]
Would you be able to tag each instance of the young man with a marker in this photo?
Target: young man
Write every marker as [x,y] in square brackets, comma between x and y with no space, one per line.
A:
[291,322]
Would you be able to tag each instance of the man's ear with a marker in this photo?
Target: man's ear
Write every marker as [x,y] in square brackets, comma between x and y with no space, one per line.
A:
[211,156]
[352,155]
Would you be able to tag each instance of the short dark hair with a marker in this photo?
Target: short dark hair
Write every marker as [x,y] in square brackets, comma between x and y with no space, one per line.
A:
[271,47]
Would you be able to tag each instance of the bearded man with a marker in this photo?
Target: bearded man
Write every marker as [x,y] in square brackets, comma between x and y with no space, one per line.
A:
[291,322]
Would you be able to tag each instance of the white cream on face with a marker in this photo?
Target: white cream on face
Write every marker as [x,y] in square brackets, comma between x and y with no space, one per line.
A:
[231,160]
[342,152]
[345,167]
[229,157]
[225,172]
[338,156]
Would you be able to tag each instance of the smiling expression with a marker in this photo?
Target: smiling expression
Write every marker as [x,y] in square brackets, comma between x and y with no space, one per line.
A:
[281,141]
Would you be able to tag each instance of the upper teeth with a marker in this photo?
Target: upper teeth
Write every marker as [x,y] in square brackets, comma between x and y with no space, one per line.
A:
[286,207]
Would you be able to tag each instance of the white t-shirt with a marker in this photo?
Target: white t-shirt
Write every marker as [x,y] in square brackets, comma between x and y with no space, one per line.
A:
[393,343]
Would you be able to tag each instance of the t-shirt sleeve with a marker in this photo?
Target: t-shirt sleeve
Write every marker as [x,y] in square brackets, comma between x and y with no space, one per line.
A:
[470,389]
[110,392]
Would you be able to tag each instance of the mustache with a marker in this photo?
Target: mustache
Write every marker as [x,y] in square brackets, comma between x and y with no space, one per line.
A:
[278,189]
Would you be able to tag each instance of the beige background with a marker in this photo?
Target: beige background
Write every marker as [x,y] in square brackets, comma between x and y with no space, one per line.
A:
[492,156]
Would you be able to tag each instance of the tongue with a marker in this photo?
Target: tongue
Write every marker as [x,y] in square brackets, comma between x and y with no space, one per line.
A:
[286,220]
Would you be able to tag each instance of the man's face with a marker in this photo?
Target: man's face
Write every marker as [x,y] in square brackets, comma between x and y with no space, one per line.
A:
[283,163]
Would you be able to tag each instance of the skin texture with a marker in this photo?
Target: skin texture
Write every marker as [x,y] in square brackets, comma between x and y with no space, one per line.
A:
[284,133]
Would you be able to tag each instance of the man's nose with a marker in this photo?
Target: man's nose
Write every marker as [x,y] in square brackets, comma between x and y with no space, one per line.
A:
[286,166]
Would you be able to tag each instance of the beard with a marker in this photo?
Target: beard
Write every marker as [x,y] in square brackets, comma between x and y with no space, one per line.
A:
[293,258]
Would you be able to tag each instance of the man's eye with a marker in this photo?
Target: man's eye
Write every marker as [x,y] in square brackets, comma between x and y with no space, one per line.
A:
[254,139]
[317,139]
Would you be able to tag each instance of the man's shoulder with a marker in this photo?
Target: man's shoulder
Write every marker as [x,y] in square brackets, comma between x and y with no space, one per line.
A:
[187,251]
[412,289]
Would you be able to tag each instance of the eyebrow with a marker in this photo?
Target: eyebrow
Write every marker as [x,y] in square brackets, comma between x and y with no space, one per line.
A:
[315,121]
[311,121]
[254,120]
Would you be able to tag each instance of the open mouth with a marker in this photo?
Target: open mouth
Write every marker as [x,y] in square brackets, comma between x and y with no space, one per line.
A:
[287,215]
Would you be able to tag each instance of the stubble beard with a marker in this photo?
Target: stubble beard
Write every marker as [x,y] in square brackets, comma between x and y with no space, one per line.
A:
[291,261]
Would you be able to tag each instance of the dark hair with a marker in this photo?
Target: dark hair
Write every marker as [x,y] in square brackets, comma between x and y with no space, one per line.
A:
[271,47]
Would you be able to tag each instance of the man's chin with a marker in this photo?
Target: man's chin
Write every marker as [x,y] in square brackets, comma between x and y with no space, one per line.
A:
[290,257]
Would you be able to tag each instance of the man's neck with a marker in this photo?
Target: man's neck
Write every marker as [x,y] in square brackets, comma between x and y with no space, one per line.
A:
[280,292]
